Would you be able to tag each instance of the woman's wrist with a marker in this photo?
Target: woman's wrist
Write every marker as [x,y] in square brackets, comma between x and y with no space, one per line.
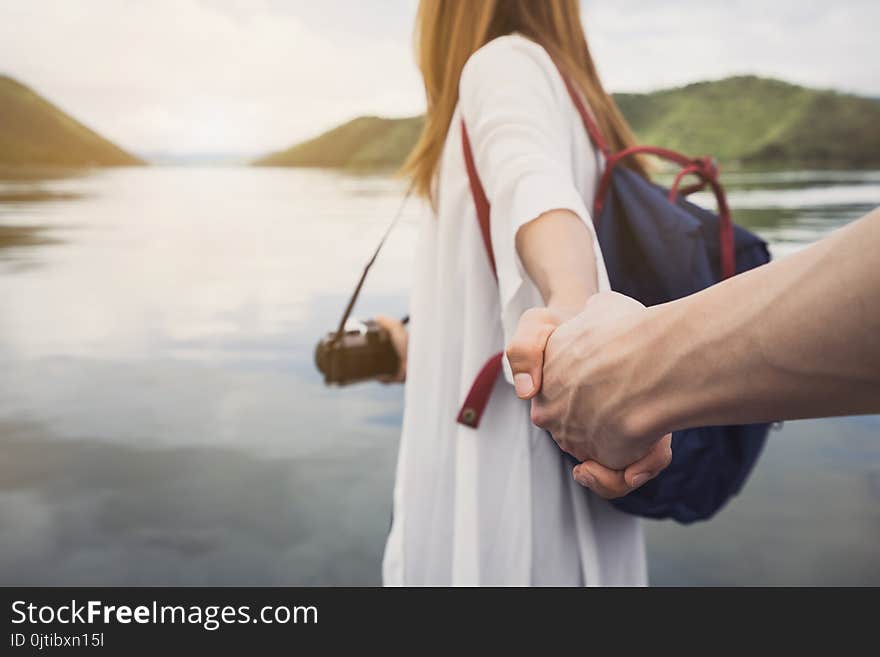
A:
[567,305]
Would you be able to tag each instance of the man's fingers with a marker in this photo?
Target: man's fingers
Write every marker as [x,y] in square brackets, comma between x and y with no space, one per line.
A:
[525,352]
[610,483]
[650,465]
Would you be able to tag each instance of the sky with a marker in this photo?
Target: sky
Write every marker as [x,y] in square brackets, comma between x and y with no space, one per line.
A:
[252,76]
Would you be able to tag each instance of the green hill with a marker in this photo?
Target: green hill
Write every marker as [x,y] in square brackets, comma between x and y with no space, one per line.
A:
[759,121]
[33,131]
[368,142]
[745,120]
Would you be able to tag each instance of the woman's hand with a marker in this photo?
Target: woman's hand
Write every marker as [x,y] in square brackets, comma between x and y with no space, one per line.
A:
[399,339]
[526,355]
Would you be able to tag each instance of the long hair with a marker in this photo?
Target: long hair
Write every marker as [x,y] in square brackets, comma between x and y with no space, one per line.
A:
[448,32]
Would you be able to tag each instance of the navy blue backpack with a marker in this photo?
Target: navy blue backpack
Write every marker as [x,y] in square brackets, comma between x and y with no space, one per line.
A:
[658,246]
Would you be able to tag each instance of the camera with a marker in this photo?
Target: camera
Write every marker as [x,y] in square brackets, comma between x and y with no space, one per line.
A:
[363,350]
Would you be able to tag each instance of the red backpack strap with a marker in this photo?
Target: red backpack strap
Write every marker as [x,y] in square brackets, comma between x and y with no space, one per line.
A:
[587,118]
[481,202]
[705,169]
[481,389]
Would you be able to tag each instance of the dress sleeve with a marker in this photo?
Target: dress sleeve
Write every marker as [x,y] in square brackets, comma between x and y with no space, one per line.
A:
[516,110]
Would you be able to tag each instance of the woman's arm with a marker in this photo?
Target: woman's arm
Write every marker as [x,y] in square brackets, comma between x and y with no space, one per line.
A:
[517,111]
[556,252]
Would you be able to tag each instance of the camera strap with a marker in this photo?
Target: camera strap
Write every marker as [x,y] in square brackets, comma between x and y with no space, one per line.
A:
[357,290]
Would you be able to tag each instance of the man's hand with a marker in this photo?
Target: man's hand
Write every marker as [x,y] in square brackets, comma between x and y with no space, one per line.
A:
[540,328]
[589,393]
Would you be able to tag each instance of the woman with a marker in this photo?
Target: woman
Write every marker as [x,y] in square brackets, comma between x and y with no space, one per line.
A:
[497,505]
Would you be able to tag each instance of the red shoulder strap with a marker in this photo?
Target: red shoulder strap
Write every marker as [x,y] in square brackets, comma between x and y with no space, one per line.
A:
[590,125]
[481,202]
[481,389]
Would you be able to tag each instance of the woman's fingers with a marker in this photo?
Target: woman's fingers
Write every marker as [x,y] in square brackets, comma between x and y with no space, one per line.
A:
[525,351]
[399,340]
[603,481]
[609,483]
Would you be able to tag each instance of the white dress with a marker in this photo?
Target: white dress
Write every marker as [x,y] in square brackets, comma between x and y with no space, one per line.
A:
[496,505]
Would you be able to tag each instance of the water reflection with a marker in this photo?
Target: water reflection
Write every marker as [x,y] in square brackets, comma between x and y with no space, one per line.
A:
[92,512]
[745,180]
[161,421]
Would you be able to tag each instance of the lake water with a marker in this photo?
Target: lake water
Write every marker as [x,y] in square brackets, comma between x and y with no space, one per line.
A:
[161,421]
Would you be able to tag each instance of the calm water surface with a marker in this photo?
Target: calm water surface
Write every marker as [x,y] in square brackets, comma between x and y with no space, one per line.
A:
[161,421]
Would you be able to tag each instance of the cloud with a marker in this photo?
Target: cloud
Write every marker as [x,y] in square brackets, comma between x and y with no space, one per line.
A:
[649,45]
[249,76]
[182,75]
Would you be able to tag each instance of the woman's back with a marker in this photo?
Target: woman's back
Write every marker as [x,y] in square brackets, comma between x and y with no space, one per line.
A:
[496,504]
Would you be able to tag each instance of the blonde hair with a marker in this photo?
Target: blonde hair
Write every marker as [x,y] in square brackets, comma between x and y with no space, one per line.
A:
[448,32]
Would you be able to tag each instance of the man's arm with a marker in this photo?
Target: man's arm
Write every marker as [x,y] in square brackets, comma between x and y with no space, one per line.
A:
[796,338]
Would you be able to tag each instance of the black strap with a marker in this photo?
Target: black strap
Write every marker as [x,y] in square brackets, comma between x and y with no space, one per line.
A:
[357,290]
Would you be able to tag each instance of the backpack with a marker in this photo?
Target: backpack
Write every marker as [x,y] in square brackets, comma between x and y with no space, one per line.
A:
[658,246]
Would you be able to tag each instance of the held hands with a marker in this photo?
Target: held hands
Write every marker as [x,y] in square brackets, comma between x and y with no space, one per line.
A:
[576,376]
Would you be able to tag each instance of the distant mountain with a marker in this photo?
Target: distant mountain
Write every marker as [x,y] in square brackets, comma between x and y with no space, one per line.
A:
[33,131]
[744,120]
[368,142]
